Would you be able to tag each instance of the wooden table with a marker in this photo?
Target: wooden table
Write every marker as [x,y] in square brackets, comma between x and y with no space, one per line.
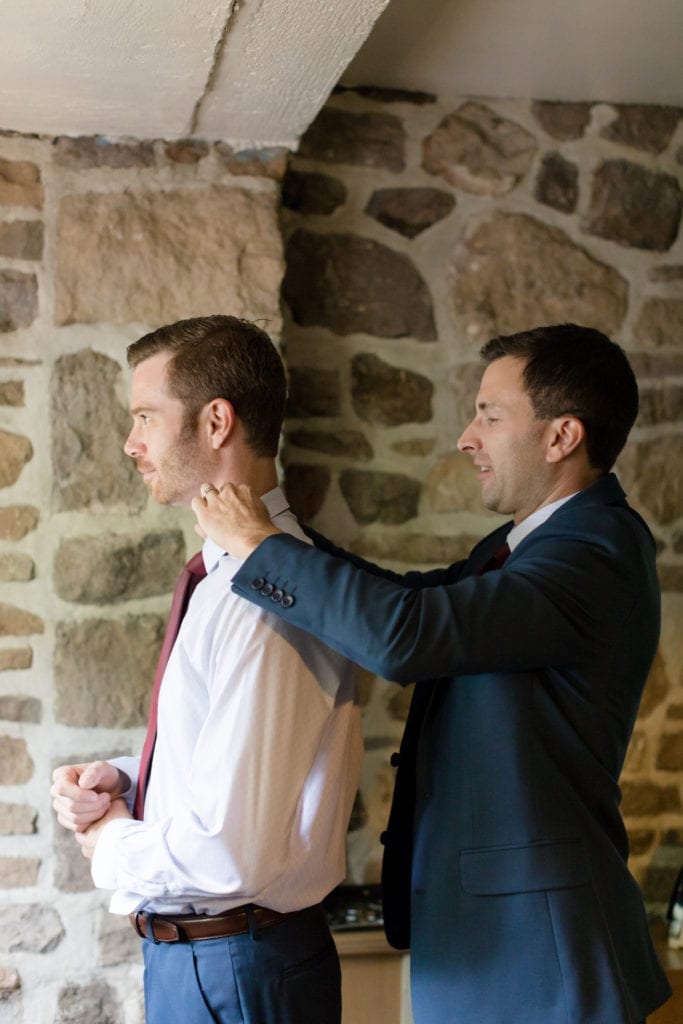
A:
[672,962]
[375,979]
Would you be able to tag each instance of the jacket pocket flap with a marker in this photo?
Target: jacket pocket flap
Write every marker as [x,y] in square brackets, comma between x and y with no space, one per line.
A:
[494,871]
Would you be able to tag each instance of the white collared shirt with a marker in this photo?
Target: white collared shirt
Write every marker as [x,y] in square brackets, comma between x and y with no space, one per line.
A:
[523,529]
[256,763]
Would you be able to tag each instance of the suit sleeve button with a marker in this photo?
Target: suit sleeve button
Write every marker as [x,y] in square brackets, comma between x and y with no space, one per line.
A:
[287,600]
[277,594]
[267,589]
[395,759]
[257,583]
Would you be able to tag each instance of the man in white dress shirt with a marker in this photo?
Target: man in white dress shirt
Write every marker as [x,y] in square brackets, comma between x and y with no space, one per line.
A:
[258,745]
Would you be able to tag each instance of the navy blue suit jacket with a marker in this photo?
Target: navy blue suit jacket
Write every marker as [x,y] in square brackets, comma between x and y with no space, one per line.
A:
[505,858]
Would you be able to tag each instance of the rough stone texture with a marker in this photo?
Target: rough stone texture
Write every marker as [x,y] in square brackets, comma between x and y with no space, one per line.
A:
[186,151]
[18,872]
[16,567]
[16,764]
[658,883]
[232,234]
[88,151]
[107,568]
[636,753]
[675,712]
[20,708]
[9,982]
[478,151]
[677,541]
[517,273]
[563,121]
[18,622]
[313,392]
[71,869]
[660,405]
[264,163]
[660,324]
[20,184]
[12,658]
[95,1003]
[15,452]
[671,578]
[641,840]
[643,798]
[415,548]
[306,487]
[414,446]
[22,239]
[389,498]
[117,943]
[452,485]
[409,210]
[389,395]
[12,393]
[349,443]
[29,927]
[634,206]
[89,428]
[652,473]
[464,381]
[369,140]
[557,184]
[668,272]
[670,753]
[645,364]
[104,670]
[17,520]
[377,291]
[643,126]
[17,820]
[311,192]
[18,300]
[656,688]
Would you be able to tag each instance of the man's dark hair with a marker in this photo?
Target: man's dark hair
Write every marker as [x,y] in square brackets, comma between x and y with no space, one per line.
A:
[223,357]
[577,371]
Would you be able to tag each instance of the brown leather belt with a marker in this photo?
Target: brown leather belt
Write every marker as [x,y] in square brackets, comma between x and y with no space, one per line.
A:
[195,927]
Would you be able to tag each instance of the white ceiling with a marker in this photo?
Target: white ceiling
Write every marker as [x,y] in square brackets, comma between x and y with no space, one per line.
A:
[255,72]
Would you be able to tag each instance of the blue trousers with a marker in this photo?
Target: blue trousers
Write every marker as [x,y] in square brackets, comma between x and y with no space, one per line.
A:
[285,974]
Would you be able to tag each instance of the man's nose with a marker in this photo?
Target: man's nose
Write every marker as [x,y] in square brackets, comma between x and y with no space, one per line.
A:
[132,446]
[467,442]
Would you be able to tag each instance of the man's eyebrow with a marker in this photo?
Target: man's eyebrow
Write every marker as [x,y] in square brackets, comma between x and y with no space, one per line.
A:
[488,405]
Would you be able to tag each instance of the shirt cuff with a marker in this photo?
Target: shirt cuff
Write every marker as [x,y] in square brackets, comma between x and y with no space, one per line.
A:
[104,861]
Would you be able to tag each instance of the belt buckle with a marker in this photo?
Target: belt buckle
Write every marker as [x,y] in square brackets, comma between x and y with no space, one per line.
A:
[148,918]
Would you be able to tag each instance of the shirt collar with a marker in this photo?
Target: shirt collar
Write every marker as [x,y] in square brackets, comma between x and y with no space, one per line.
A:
[523,529]
[275,502]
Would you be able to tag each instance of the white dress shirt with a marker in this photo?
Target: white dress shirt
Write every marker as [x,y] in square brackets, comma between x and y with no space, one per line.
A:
[255,768]
[528,525]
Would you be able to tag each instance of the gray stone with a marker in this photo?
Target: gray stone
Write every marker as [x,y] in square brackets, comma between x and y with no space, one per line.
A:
[20,184]
[414,446]
[17,820]
[660,405]
[670,753]
[389,395]
[18,300]
[18,872]
[415,548]
[464,381]
[71,868]
[15,452]
[652,473]
[648,365]
[117,943]
[310,192]
[634,206]
[306,487]
[186,151]
[30,928]
[13,658]
[658,883]
[16,764]
[313,392]
[516,273]
[232,234]
[377,291]
[104,670]
[348,443]
[88,151]
[389,498]
[671,578]
[89,429]
[12,393]
[564,121]
[95,1003]
[16,567]
[557,184]
[409,210]
[270,162]
[478,151]
[18,622]
[668,272]
[17,520]
[22,239]
[18,708]
[660,324]
[643,126]
[108,568]
[452,485]
[342,137]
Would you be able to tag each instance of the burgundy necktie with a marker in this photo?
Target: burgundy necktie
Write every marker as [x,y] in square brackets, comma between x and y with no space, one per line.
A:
[496,559]
[193,572]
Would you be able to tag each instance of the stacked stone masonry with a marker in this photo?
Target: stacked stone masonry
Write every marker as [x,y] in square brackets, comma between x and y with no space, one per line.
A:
[404,232]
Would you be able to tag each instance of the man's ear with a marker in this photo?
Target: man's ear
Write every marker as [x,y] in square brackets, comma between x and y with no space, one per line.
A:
[219,418]
[567,435]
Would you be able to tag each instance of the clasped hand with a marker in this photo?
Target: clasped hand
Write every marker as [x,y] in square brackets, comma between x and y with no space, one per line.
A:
[86,797]
[233,517]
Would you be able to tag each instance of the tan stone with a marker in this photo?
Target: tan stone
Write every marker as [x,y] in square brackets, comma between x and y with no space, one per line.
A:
[670,753]
[398,704]
[17,819]
[635,755]
[351,444]
[675,712]
[19,708]
[641,840]
[9,982]
[22,239]
[29,927]
[93,1003]
[12,393]
[87,151]
[656,689]
[516,273]
[16,567]
[660,324]
[390,498]
[17,622]
[465,380]
[562,120]
[15,452]
[660,405]
[71,869]
[156,257]
[646,799]
[415,548]
[652,475]
[414,446]
[117,943]
[16,764]
[18,300]
[17,520]
[20,184]
[186,151]
[452,485]
[18,872]
[12,658]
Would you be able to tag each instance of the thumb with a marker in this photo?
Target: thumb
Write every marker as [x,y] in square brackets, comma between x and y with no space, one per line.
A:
[92,776]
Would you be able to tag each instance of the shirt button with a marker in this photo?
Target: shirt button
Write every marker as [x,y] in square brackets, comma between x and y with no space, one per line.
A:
[257,583]
[287,600]
[267,589]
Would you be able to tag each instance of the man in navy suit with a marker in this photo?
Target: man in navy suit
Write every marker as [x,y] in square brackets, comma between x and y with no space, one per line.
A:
[505,856]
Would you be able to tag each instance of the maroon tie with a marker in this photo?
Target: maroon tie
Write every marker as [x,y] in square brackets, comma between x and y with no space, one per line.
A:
[193,572]
[496,559]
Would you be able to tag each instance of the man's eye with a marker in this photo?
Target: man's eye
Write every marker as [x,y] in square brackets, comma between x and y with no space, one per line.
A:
[491,419]
[144,418]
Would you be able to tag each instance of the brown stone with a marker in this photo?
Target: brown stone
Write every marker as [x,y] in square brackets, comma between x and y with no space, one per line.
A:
[15,452]
[464,381]
[18,622]
[652,472]
[640,840]
[342,137]
[108,568]
[30,928]
[409,210]
[668,272]
[16,764]
[389,395]
[656,688]
[18,872]
[658,883]
[660,405]
[677,540]
[671,578]
[675,712]
[22,239]
[310,192]
[670,753]
[18,300]
[20,184]
[10,982]
[636,753]
[17,520]
[564,121]
[186,151]
[415,548]
[89,428]
[647,799]
[94,1003]
[17,820]
[634,206]
[377,291]
[232,234]
[647,365]
[20,708]
[12,393]
[104,670]
[398,704]
[390,498]
[414,446]
[117,943]
[660,324]
[306,487]
[12,658]
[643,126]
[16,567]
[270,162]
[557,184]
[516,273]
[452,485]
[478,151]
[313,392]
[349,443]
[88,151]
